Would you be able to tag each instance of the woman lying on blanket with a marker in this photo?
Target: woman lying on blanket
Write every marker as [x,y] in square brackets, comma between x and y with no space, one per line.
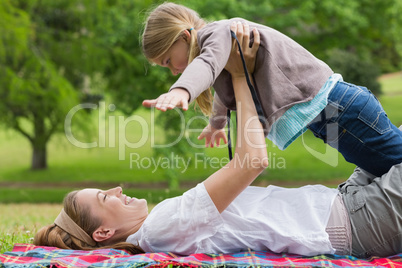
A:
[224,214]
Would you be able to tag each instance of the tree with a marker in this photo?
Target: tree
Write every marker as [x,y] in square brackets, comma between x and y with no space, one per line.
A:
[36,91]
[354,69]
[370,29]
[130,78]
[51,51]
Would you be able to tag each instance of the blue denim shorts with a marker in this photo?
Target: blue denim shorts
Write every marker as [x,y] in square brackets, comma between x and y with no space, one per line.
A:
[355,124]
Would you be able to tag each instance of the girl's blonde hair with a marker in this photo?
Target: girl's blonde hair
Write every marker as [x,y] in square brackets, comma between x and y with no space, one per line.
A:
[164,26]
[53,236]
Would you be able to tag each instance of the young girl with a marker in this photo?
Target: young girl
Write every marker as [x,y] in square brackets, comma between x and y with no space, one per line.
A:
[224,214]
[296,90]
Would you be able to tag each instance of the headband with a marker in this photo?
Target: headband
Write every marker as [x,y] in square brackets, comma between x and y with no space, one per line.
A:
[68,225]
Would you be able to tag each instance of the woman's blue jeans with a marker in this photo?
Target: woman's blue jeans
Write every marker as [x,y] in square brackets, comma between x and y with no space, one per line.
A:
[355,124]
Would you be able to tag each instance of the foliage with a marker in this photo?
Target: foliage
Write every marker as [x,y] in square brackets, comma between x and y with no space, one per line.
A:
[318,25]
[354,69]
[130,79]
[181,132]
[37,90]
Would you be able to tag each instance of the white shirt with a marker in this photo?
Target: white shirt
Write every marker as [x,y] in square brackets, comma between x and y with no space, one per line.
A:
[273,218]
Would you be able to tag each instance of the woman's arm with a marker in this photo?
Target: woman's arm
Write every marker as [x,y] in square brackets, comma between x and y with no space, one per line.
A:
[250,157]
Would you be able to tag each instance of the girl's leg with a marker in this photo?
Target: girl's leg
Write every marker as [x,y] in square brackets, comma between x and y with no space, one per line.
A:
[355,123]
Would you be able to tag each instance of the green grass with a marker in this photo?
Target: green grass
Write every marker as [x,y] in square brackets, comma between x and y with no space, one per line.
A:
[392,83]
[21,227]
[392,97]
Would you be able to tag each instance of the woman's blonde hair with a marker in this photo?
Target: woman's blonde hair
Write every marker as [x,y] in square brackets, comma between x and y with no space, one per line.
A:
[164,26]
[53,236]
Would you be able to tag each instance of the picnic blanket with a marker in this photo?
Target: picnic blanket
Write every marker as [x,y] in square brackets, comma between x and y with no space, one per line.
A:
[27,255]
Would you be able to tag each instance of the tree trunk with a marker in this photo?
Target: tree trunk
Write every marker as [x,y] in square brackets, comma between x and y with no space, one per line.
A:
[39,157]
[39,141]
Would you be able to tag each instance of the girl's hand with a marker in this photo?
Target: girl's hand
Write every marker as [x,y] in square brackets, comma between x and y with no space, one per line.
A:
[177,97]
[212,136]
[235,65]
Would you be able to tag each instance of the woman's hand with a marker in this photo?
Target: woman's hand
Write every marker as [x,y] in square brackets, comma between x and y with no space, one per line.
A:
[235,65]
[212,136]
[177,97]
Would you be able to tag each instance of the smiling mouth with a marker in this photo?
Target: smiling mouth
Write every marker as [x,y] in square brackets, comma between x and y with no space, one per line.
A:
[127,200]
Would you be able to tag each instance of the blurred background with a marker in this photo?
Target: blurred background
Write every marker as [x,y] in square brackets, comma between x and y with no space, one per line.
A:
[72,79]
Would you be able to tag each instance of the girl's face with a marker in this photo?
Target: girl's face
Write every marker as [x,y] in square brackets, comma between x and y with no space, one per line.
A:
[115,209]
[176,58]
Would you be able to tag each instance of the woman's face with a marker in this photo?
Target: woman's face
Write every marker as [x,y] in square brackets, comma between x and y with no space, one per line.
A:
[176,58]
[115,209]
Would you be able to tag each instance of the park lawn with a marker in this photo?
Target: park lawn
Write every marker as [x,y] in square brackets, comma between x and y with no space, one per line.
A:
[21,227]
